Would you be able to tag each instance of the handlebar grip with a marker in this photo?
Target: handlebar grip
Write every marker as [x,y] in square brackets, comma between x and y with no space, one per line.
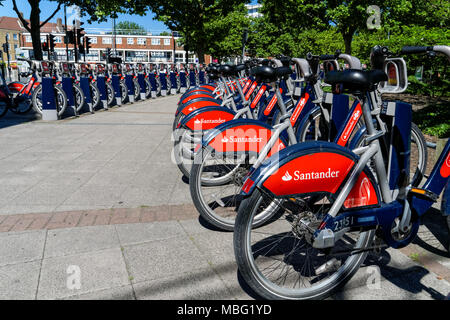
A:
[415,49]
[327,57]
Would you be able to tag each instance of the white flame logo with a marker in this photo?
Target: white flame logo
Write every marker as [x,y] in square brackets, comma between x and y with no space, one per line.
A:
[364,192]
[225,139]
[286,177]
[197,121]
[356,115]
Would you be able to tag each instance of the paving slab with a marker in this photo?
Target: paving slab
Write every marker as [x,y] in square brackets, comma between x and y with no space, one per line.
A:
[116,293]
[17,247]
[63,242]
[19,281]
[98,270]
[139,233]
[163,258]
[203,284]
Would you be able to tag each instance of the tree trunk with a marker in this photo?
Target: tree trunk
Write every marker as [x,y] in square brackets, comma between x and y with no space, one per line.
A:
[348,42]
[201,55]
[35,29]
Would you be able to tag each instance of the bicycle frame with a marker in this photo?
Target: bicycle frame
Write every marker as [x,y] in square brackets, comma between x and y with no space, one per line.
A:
[347,211]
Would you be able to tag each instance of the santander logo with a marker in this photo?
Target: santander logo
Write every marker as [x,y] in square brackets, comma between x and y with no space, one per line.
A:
[356,115]
[362,198]
[445,168]
[299,108]
[349,128]
[286,177]
[271,103]
[310,175]
[198,121]
[233,139]
[258,97]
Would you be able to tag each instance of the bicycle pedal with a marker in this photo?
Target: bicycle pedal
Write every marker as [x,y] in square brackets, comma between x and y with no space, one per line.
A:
[423,193]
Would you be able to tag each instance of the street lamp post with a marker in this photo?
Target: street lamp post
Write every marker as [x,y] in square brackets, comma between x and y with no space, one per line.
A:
[174,47]
[67,42]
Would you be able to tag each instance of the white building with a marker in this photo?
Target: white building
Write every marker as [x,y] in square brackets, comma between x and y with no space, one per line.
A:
[253,10]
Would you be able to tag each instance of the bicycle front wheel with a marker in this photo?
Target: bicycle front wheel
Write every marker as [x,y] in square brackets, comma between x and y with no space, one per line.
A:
[215,183]
[278,261]
[61,100]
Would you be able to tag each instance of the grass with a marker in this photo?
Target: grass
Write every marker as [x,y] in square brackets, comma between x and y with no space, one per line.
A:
[414,257]
[434,119]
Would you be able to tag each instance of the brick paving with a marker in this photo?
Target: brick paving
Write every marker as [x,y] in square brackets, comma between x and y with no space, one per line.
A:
[84,218]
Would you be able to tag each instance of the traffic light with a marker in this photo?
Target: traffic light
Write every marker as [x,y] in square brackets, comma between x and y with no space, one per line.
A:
[79,34]
[45,46]
[81,48]
[245,36]
[70,37]
[87,42]
[52,42]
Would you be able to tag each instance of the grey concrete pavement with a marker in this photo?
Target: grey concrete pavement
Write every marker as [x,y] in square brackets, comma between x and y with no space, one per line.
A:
[169,260]
[117,158]
[121,159]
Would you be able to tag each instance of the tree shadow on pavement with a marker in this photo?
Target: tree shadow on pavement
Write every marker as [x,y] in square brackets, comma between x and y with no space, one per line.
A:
[436,224]
[408,279]
[12,119]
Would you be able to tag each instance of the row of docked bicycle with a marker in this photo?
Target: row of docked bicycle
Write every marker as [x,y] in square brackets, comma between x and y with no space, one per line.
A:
[93,86]
[309,165]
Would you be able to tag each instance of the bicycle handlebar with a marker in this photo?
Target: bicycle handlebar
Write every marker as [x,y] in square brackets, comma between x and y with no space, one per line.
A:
[415,49]
[327,57]
[445,50]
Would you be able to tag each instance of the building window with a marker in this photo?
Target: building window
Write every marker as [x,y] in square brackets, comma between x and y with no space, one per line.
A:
[119,40]
[7,37]
[27,38]
[15,36]
[141,41]
[130,40]
[43,39]
[167,42]
[58,40]
[93,39]
[156,41]
[106,40]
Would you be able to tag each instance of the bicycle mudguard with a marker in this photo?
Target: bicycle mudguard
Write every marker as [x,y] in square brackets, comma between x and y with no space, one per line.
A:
[196,95]
[196,104]
[241,135]
[313,167]
[197,89]
[15,86]
[207,118]
[194,91]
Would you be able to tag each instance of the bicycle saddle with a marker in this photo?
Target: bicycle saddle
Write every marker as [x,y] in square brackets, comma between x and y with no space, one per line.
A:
[227,70]
[239,67]
[269,74]
[356,81]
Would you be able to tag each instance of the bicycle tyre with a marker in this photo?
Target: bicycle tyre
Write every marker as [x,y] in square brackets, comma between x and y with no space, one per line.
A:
[262,284]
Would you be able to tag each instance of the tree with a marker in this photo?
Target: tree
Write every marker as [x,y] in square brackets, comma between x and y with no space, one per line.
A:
[35,24]
[224,35]
[190,18]
[128,27]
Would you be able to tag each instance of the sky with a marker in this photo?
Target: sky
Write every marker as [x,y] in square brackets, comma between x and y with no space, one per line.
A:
[47,8]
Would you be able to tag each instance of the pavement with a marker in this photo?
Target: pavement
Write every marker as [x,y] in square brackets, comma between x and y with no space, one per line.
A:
[93,208]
